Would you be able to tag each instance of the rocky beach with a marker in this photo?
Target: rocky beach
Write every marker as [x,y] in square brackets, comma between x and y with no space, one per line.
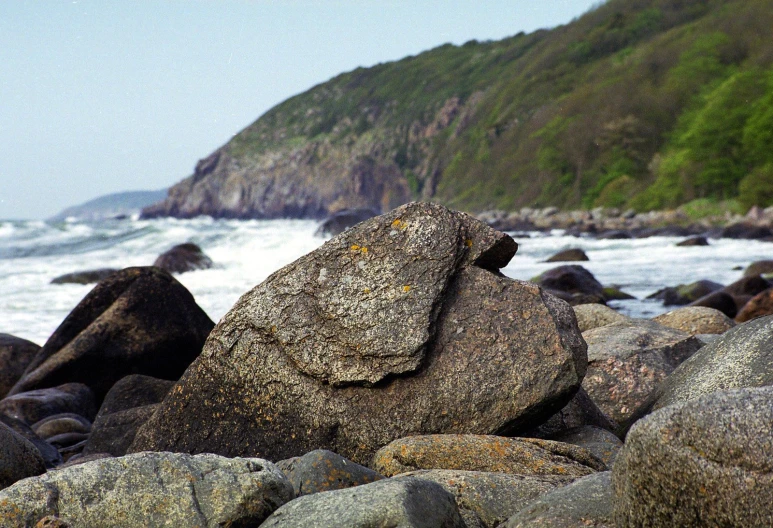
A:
[394,376]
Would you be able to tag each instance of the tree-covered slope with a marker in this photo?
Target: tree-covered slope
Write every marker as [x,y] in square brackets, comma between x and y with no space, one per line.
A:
[642,103]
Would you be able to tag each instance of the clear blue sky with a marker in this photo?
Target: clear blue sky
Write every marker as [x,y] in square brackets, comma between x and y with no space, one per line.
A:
[101,96]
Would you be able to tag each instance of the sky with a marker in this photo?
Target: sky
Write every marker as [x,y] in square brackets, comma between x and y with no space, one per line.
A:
[103,96]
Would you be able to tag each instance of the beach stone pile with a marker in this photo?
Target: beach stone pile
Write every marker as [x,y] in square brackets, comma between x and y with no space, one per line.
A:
[392,377]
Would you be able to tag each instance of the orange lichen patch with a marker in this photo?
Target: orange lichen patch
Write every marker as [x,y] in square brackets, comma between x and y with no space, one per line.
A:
[355,247]
[406,288]
[364,250]
[399,224]
[468,242]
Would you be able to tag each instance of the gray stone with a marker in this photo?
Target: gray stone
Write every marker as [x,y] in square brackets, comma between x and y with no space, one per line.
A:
[151,489]
[394,327]
[601,442]
[704,462]
[593,315]
[696,320]
[525,456]
[322,470]
[32,406]
[399,503]
[628,360]
[15,354]
[19,459]
[587,502]
[492,497]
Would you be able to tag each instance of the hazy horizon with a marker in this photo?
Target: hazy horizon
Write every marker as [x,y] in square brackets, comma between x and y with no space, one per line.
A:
[102,97]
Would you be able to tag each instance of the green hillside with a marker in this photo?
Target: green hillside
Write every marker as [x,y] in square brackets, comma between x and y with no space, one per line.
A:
[640,103]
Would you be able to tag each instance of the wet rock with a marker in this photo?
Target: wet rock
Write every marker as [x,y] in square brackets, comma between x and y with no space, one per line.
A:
[695,320]
[758,306]
[585,502]
[613,293]
[686,293]
[569,255]
[628,360]
[394,327]
[85,277]
[15,354]
[343,220]
[61,423]
[594,315]
[574,280]
[139,321]
[580,411]
[614,234]
[524,456]
[322,470]
[51,457]
[704,462]
[601,442]
[760,267]
[388,502]
[151,489]
[32,406]
[694,241]
[19,459]
[182,258]
[720,301]
[490,498]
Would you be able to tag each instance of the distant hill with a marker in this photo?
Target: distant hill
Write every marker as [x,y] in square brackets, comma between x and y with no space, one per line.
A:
[639,103]
[111,205]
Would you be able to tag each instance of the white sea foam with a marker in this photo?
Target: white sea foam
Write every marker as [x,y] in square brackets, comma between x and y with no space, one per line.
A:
[246,252]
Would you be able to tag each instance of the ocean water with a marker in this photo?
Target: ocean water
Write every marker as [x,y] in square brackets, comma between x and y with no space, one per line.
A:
[246,252]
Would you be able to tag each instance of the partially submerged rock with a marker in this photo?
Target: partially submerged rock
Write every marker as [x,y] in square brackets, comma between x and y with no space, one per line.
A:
[573,283]
[686,293]
[569,255]
[182,258]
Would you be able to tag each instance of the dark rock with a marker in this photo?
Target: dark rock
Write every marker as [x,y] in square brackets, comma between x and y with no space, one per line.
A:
[52,521]
[749,285]
[585,502]
[579,412]
[569,255]
[613,293]
[151,489]
[703,462]
[182,258]
[694,241]
[134,390]
[69,451]
[685,293]
[113,433]
[594,315]
[490,498]
[32,406]
[60,424]
[696,320]
[139,321]
[523,456]
[19,459]
[67,439]
[390,502]
[82,459]
[392,328]
[322,470]
[760,267]
[343,220]
[719,300]
[746,232]
[85,277]
[758,306]
[573,279]
[51,457]
[615,234]
[15,354]
[627,361]
[601,442]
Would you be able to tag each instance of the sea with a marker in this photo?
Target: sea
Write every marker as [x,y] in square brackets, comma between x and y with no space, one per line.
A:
[246,252]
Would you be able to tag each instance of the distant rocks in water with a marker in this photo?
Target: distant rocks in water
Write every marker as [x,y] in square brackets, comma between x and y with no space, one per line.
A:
[747,232]
[85,277]
[569,255]
[758,306]
[760,267]
[686,293]
[694,241]
[15,354]
[572,283]
[719,300]
[337,223]
[696,320]
[182,258]
[400,325]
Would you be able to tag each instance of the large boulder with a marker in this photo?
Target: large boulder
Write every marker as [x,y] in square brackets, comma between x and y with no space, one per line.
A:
[703,462]
[696,320]
[182,258]
[758,306]
[34,405]
[19,459]
[572,283]
[390,502]
[15,354]
[628,360]
[524,456]
[151,489]
[139,321]
[395,327]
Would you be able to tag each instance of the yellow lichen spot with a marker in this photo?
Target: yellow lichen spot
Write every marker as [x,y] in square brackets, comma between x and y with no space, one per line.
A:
[355,247]
[273,329]
[399,224]
[366,290]
[468,242]
[406,288]
[364,250]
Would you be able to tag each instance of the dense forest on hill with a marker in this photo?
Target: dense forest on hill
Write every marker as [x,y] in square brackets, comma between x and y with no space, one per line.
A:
[639,103]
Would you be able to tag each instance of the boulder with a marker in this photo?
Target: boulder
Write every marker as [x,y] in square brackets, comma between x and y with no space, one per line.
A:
[339,222]
[594,315]
[51,457]
[395,327]
[524,456]
[182,258]
[19,459]
[151,489]
[758,306]
[574,281]
[746,232]
[488,499]
[139,321]
[61,423]
[32,406]
[694,241]
[703,462]
[114,432]
[603,444]
[720,301]
[569,255]
[133,391]
[695,320]
[322,470]
[15,354]
[85,277]
[389,502]
[580,411]
[748,285]
[627,361]
[583,503]
[759,267]
[686,293]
